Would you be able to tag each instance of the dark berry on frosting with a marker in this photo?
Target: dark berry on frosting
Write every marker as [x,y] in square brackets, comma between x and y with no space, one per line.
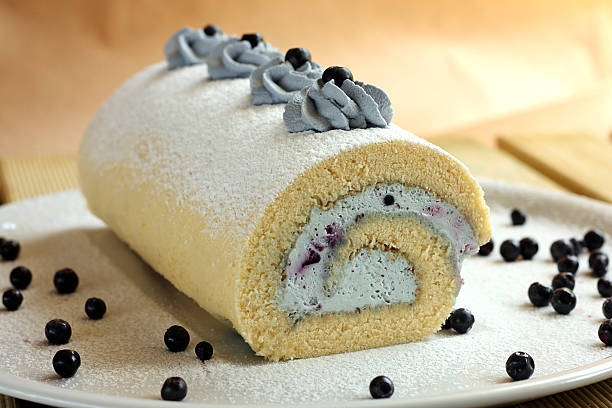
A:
[598,254]
[388,199]
[563,280]
[204,350]
[487,248]
[66,363]
[211,30]
[338,74]
[11,299]
[561,248]
[606,308]
[462,320]
[594,239]
[604,287]
[381,387]
[605,332]
[10,250]
[95,308]
[568,264]
[174,389]
[58,331]
[529,247]
[599,264]
[20,277]
[65,281]
[297,57]
[563,300]
[578,245]
[176,338]
[539,294]
[520,366]
[518,217]
[253,39]
[510,250]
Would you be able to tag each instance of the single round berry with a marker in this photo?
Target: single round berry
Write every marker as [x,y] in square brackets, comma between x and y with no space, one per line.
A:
[561,248]
[518,217]
[529,247]
[174,389]
[20,277]
[447,323]
[568,264]
[254,39]
[563,300]
[65,281]
[563,280]
[381,387]
[510,250]
[297,57]
[338,74]
[58,331]
[10,250]
[605,332]
[211,30]
[66,362]
[176,338]
[539,294]
[204,350]
[95,308]
[11,299]
[487,248]
[520,366]
[599,264]
[594,239]
[577,245]
[461,320]
[604,287]
[606,308]
[388,199]
[598,256]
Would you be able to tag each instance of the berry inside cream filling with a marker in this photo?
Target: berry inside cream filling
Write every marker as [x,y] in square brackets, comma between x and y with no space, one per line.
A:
[372,277]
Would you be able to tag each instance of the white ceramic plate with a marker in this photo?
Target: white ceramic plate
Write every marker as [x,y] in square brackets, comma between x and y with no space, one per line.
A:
[124,361]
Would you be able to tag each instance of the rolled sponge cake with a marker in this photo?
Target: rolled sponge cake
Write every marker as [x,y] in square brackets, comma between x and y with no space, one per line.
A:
[306,243]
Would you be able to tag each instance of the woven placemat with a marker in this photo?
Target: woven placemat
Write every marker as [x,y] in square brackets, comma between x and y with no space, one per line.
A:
[22,178]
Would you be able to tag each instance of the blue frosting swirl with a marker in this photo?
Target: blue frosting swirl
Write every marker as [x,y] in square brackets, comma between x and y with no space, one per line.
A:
[277,81]
[237,59]
[325,106]
[190,47]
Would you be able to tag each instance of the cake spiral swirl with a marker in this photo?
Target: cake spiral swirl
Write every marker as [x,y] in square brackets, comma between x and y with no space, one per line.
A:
[190,47]
[235,58]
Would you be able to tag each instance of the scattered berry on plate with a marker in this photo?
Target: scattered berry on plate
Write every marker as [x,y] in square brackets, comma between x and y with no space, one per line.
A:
[606,308]
[65,281]
[539,294]
[11,299]
[95,308]
[605,332]
[338,74]
[518,217]
[20,277]
[176,338]
[447,323]
[563,300]
[563,280]
[58,331]
[461,320]
[528,247]
[381,387]
[568,264]
[510,250]
[520,366]
[66,362]
[253,39]
[9,250]
[603,257]
[211,30]
[577,245]
[174,389]
[599,264]
[604,287]
[204,350]
[561,248]
[594,239]
[297,57]
[487,248]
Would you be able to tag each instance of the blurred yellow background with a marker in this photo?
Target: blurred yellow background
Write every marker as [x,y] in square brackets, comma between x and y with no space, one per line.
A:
[450,67]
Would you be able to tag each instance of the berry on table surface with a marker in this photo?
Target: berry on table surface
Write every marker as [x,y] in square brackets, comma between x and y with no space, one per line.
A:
[9,250]
[338,74]
[594,239]
[563,300]
[381,387]
[174,389]
[461,320]
[211,30]
[605,332]
[510,250]
[20,277]
[518,217]
[568,264]
[487,248]
[603,257]
[297,57]
[176,338]
[95,308]
[254,39]
[577,245]
[58,331]
[12,299]
[528,247]
[604,287]
[563,280]
[606,308]
[520,366]
[447,323]
[539,294]
[66,363]
[599,264]
[204,350]
[65,281]
[561,248]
